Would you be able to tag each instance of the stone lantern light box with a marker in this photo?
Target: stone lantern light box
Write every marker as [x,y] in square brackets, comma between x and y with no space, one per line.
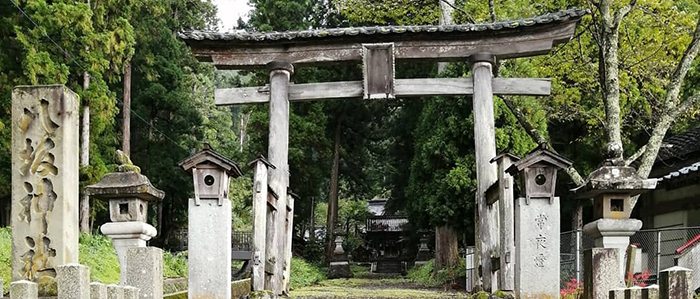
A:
[612,187]
[539,172]
[211,173]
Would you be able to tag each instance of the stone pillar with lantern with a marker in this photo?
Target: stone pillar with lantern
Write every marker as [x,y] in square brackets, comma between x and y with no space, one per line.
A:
[537,224]
[612,187]
[209,224]
[128,193]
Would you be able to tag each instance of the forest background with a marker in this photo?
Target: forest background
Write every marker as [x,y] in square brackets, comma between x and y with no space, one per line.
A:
[418,153]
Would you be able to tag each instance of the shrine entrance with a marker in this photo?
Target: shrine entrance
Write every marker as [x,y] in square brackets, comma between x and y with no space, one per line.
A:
[377,49]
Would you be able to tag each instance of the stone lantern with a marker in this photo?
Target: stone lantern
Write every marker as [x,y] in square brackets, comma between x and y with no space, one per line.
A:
[128,193]
[340,264]
[424,254]
[537,224]
[209,224]
[611,187]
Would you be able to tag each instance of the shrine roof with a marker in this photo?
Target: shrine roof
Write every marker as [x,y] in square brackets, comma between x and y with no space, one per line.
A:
[247,37]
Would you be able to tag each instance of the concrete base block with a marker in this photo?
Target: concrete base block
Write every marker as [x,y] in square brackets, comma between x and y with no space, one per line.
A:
[115,292]
[144,270]
[24,289]
[602,272]
[339,269]
[650,292]
[73,281]
[98,290]
[131,293]
[676,283]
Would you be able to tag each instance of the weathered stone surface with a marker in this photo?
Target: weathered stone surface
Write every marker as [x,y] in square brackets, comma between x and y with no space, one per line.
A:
[115,292]
[633,293]
[44,182]
[120,185]
[144,270]
[24,289]
[339,269]
[601,272]
[537,226]
[617,293]
[73,281]
[618,179]
[131,292]
[98,290]
[424,254]
[650,292]
[675,283]
[209,249]
[613,233]
[127,235]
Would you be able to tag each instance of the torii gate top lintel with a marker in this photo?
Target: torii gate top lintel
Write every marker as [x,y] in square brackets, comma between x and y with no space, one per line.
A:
[504,39]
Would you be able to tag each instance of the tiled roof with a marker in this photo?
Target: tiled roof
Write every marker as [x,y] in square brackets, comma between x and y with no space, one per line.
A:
[248,36]
[695,167]
[680,146]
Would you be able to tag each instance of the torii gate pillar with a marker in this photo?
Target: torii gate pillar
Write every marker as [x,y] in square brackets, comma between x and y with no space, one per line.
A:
[278,146]
[486,172]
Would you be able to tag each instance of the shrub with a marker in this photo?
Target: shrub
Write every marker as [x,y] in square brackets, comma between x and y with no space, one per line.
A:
[305,274]
[314,251]
[426,275]
[174,265]
[573,290]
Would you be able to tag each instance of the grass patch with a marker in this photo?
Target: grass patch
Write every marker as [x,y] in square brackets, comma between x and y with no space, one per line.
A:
[426,276]
[95,252]
[371,288]
[360,271]
[305,274]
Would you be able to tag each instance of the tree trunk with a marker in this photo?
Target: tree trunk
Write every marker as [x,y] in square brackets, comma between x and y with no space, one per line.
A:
[446,252]
[446,8]
[126,112]
[84,214]
[332,218]
[312,231]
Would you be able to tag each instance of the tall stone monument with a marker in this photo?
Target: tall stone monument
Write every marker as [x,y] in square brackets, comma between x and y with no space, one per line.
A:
[44,182]
[209,225]
[537,220]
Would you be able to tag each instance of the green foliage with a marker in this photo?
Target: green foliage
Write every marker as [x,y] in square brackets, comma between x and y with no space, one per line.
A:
[428,276]
[98,254]
[305,274]
[174,265]
[314,251]
[6,256]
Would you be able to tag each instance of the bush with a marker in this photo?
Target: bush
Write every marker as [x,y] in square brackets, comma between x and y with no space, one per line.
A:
[314,251]
[426,275]
[305,274]
[174,265]
[98,254]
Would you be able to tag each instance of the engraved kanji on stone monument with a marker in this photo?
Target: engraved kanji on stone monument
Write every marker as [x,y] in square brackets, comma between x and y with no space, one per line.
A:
[44,182]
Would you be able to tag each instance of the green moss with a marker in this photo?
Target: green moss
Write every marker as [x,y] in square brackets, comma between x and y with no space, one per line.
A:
[305,274]
[240,288]
[371,288]
[5,257]
[480,295]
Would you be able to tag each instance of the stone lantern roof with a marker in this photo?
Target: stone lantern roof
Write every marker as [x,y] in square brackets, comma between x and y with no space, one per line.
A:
[119,185]
[614,179]
[208,155]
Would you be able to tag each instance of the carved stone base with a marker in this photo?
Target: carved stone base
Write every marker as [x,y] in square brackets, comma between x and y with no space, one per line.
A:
[339,269]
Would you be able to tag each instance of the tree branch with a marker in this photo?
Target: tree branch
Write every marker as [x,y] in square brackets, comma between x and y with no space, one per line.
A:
[537,136]
[636,155]
[622,13]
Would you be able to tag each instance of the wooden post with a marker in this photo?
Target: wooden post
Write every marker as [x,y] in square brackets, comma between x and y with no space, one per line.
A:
[288,243]
[278,145]
[506,274]
[259,224]
[486,173]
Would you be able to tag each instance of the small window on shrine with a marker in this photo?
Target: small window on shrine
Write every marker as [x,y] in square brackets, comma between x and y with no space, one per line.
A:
[617,205]
[123,208]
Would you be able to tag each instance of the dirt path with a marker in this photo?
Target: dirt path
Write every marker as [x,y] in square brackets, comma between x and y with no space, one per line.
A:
[389,288]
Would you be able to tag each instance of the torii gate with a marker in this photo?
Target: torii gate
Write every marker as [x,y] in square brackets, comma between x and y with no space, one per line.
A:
[378,48]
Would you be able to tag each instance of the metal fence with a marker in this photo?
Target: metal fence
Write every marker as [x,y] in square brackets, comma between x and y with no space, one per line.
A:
[658,250]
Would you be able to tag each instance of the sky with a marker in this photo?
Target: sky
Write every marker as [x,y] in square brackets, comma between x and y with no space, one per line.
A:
[229,12]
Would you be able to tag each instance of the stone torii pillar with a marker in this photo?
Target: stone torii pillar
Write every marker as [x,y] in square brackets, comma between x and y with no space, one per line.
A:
[486,172]
[278,146]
